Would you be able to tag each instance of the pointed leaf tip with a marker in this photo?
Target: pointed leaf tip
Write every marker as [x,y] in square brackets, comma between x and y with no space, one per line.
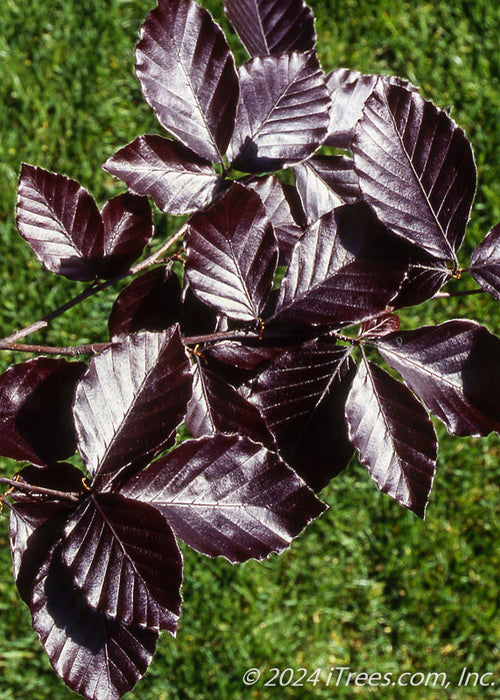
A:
[272,28]
[232,255]
[415,168]
[187,75]
[131,399]
[227,496]
[394,436]
[282,115]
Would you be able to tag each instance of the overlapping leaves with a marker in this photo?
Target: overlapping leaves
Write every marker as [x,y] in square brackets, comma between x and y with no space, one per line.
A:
[259,346]
[97,561]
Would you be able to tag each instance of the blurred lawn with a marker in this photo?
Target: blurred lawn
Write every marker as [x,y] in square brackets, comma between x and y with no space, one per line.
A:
[368,586]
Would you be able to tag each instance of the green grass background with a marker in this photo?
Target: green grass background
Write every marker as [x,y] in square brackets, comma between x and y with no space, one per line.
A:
[368,586]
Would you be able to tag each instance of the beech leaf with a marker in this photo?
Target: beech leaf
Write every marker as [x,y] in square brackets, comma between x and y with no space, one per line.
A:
[187,75]
[349,90]
[272,27]
[95,656]
[124,558]
[282,115]
[35,410]
[216,407]
[336,275]
[232,255]
[415,168]
[128,227]
[151,302]
[178,180]
[485,263]
[454,369]
[36,525]
[301,395]
[61,222]
[394,436]
[131,399]
[279,213]
[227,496]
[326,182]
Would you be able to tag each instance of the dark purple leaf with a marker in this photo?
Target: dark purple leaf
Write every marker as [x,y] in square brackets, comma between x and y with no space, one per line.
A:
[394,436]
[326,182]
[178,180]
[485,263]
[188,76]
[151,302]
[232,254]
[282,114]
[272,27]
[123,557]
[37,522]
[301,395]
[278,211]
[197,317]
[128,227]
[379,326]
[415,168]
[227,496]
[131,400]
[35,410]
[454,368]
[349,90]
[338,273]
[216,407]
[424,278]
[61,222]
[248,357]
[95,656]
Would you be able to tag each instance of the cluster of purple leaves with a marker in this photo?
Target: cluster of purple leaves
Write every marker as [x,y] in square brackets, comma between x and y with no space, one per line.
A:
[263,349]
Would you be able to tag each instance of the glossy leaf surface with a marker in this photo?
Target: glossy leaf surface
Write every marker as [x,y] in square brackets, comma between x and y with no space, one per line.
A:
[232,255]
[151,302]
[485,263]
[131,399]
[178,180]
[216,407]
[326,182]
[349,90]
[36,525]
[394,436]
[415,168]
[98,657]
[282,114]
[128,227]
[272,27]
[278,211]
[301,395]
[227,496]
[454,369]
[336,275]
[124,558]
[61,222]
[187,75]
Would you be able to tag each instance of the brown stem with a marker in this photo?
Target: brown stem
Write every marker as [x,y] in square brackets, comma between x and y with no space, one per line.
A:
[8,343]
[72,351]
[27,488]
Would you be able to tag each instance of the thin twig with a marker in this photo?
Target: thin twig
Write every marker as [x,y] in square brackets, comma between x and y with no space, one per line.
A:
[71,351]
[8,343]
[29,489]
